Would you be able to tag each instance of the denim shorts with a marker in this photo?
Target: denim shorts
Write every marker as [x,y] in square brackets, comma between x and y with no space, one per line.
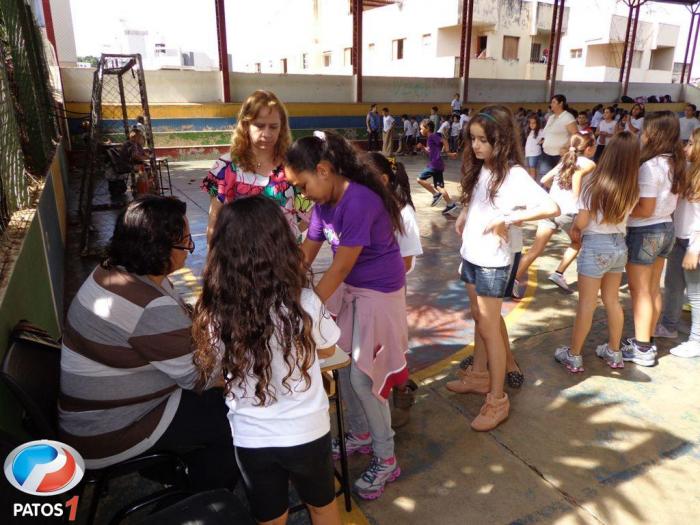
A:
[602,253]
[489,282]
[436,175]
[533,162]
[646,243]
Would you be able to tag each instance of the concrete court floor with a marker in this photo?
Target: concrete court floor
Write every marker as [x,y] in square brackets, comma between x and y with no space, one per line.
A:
[613,447]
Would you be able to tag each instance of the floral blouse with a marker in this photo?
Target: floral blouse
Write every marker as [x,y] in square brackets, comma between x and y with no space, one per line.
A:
[227,182]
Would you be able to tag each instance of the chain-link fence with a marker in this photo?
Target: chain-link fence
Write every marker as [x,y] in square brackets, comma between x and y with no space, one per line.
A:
[28,124]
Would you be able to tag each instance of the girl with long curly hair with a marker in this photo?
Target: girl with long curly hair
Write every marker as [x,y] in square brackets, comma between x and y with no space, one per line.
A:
[254,165]
[359,216]
[682,272]
[497,193]
[260,324]
[608,196]
[565,179]
[650,235]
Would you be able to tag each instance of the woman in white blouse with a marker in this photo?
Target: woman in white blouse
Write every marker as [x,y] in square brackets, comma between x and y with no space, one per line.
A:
[561,124]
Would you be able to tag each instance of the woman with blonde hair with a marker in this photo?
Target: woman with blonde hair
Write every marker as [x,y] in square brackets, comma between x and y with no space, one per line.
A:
[254,164]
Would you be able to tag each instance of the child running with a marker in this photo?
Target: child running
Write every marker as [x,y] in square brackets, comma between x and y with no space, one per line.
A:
[565,180]
[358,216]
[259,321]
[606,200]
[393,175]
[682,272]
[435,168]
[497,192]
[650,234]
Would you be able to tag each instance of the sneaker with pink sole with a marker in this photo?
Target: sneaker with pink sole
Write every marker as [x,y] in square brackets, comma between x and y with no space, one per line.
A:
[354,444]
[370,485]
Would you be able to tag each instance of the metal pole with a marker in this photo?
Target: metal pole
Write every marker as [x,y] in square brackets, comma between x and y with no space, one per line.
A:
[555,57]
[48,20]
[463,40]
[467,53]
[695,44]
[635,24]
[357,9]
[687,47]
[223,48]
[552,30]
[626,46]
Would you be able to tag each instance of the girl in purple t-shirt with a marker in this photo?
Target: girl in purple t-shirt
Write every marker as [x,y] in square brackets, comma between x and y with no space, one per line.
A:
[357,215]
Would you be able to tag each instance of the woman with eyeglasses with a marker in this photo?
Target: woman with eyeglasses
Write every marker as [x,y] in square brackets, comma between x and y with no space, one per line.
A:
[254,165]
[127,371]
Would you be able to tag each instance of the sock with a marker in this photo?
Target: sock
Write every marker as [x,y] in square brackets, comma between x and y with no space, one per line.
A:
[389,461]
[557,271]
[643,346]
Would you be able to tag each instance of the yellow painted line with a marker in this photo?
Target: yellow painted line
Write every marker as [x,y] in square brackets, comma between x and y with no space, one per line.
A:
[510,319]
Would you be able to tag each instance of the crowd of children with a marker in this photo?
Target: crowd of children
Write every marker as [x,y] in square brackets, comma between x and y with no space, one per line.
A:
[263,324]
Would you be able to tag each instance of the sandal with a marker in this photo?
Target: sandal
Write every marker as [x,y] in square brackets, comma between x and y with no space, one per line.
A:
[514,379]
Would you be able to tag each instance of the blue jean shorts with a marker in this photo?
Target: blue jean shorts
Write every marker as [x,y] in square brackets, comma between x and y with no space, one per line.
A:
[436,175]
[489,282]
[602,253]
[533,162]
[646,243]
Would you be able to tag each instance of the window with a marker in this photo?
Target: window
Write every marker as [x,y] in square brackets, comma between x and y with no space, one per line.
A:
[305,61]
[426,40]
[481,43]
[257,67]
[284,65]
[327,58]
[371,48]
[535,52]
[576,53]
[347,56]
[397,49]
[510,47]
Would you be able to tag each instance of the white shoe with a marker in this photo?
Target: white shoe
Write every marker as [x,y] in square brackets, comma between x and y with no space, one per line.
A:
[687,349]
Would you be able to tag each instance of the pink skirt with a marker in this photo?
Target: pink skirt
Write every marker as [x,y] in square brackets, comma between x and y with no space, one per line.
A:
[374,330]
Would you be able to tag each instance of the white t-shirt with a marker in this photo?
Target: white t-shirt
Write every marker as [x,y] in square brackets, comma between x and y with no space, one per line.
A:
[456,129]
[596,224]
[532,146]
[688,125]
[444,128]
[407,128]
[518,191]
[655,181]
[296,417]
[638,123]
[556,136]
[388,123]
[416,128]
[463,119]
[409,241]
[568,203]
[605,127]
[456,104]
[597,117]
[686,222]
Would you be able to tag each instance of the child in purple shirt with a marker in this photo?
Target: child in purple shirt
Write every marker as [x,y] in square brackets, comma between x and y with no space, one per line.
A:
[357,215]
[436,167]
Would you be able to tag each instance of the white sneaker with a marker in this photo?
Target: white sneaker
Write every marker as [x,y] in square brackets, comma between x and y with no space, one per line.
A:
[611,357]
[559,280]
[687,349]
[662,331]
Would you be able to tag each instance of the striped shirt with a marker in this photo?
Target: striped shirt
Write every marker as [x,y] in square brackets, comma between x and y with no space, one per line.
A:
[127,353]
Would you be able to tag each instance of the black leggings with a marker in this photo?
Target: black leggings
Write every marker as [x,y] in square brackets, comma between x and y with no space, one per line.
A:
[200,433]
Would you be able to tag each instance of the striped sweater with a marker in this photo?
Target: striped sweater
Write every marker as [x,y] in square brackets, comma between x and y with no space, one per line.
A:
[127,353]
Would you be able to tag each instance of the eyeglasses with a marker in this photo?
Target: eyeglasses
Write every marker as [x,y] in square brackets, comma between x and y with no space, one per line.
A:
[189,247]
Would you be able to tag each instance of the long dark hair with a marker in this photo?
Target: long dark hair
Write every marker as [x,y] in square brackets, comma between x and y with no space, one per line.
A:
[307,152]
[663,137]
[504,136]
[396,173]
[562,100]
[253,281]
[612,189]
[144,235]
